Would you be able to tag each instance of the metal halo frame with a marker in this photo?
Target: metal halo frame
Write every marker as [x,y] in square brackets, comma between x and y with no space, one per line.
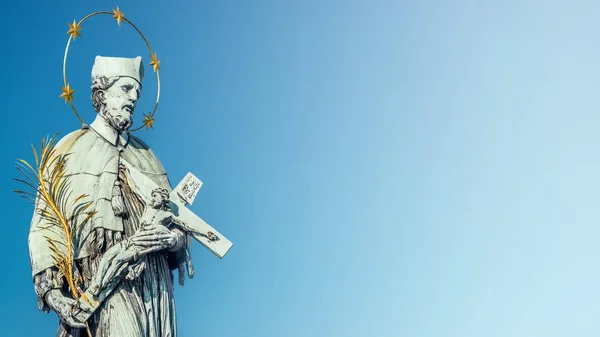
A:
[71,37]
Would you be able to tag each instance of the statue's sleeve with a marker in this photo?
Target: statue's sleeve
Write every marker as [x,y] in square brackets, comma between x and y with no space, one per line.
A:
[180,258]
[44,282]
[39,250]
[45,275]
[40,253]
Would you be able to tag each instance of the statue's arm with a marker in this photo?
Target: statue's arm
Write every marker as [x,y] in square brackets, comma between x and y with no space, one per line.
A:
[48,282]
[180,240]
[43,283]
[180,253]
[45,275]
[180,235]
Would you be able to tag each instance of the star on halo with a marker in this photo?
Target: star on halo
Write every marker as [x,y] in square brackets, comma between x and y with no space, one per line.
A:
[67,93]
[154,62]
[148,121]
[117,14]
[74,30]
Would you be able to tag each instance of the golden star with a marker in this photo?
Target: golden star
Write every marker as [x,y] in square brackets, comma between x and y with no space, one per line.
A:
[155,62]
[74,30]
[148,121]
[67,93]
[117,14]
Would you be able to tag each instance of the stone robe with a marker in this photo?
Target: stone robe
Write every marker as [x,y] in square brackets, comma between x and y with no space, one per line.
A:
[144,306]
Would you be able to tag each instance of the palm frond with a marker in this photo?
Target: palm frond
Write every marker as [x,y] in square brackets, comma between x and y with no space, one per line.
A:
[51,193]
[80,197]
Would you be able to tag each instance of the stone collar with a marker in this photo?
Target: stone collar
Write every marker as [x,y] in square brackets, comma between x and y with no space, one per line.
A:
[104,130]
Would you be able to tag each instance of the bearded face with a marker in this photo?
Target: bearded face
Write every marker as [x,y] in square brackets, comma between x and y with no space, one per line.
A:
[119,101]
[158,200]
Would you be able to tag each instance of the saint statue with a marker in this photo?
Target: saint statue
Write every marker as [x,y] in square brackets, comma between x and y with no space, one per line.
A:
[100,159]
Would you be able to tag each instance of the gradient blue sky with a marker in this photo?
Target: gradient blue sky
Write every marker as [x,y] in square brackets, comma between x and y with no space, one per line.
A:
[384,168]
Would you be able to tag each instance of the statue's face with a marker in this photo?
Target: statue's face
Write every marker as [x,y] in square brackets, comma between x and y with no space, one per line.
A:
[157,200]
[120,101]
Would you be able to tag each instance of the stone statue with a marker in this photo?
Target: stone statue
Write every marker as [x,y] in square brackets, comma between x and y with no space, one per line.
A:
[122,237]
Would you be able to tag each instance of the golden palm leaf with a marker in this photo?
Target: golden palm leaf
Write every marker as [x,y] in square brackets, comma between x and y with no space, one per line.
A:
[50,193]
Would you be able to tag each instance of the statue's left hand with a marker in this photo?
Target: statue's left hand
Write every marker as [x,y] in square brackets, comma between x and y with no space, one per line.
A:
[63,306]
[154,238]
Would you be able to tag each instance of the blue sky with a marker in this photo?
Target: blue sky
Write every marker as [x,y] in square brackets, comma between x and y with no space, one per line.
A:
[384,168]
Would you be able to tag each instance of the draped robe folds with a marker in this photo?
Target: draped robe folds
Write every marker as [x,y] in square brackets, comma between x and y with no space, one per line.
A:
[143,306]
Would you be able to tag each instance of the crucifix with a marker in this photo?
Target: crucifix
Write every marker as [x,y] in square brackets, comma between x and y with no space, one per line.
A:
[181,196]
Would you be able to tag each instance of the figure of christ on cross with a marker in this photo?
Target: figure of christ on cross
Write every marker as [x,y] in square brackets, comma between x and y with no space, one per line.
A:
[128,253]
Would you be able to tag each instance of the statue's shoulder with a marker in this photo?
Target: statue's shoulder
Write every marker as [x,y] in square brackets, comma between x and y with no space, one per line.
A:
[142,155]
[68,141]
[138,143]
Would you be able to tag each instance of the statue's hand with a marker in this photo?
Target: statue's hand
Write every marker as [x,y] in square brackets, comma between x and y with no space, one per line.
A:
[63,306]
[154,238]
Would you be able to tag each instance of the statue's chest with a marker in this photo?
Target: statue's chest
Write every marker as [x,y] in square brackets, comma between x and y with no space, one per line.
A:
[156,217]
[142,159]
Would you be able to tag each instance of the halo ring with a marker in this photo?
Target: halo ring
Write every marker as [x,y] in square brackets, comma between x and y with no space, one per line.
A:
[157,71]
